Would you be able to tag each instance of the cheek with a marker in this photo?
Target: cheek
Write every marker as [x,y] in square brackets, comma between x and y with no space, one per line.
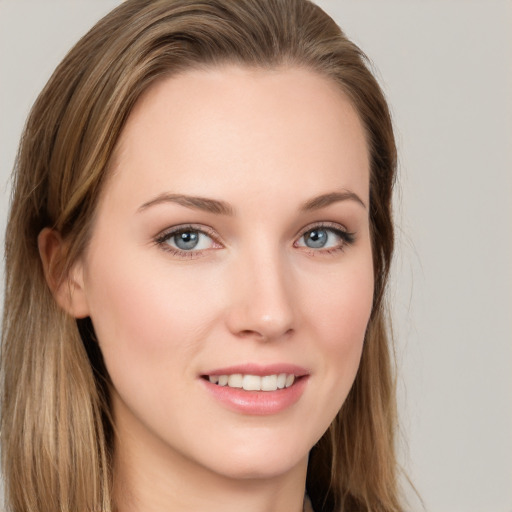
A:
[146,317]
[343,305]
[339,315]
[150,327]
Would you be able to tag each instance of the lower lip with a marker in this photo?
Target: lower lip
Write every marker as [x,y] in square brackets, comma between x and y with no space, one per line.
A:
[257,403]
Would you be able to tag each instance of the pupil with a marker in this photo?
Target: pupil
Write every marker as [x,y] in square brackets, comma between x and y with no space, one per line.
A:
[316,238]
[186,240]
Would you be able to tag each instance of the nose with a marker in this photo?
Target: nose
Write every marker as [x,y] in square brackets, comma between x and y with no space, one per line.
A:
[261,305]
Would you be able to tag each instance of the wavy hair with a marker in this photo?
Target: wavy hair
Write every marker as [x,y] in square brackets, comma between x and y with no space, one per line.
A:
[57,436]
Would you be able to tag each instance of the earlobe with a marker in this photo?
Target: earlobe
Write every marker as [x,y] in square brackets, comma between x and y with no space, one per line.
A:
[66,285]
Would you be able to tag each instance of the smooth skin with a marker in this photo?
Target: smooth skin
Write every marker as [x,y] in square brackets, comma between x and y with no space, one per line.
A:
[262,272]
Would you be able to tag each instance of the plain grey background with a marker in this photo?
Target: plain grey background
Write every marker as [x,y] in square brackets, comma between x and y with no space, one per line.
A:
[446,67]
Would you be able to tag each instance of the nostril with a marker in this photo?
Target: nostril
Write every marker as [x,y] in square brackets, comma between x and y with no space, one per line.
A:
[260,317]
[265,334]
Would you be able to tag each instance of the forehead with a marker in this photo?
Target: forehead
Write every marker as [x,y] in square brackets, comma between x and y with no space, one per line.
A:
[201,128]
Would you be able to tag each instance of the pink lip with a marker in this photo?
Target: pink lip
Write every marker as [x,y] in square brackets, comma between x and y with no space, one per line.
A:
[258,403]
[256,369]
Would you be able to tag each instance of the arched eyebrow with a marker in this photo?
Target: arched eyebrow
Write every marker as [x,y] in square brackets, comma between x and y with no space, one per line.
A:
[222,208]
[194,202]
[332,197]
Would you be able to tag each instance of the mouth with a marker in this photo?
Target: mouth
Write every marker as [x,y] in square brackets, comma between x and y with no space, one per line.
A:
[249,382]
[253,389]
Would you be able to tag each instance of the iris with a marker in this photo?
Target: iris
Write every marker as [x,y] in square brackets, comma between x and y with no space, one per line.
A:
[316,238]
[186,240]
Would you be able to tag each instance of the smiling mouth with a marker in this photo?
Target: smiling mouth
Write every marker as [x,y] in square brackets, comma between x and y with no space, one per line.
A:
[249,382]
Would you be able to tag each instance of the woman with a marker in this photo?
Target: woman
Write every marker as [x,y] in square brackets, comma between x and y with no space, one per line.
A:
[196,258]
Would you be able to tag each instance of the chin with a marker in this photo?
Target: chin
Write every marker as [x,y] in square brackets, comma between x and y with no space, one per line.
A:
[256,470]
[259,463]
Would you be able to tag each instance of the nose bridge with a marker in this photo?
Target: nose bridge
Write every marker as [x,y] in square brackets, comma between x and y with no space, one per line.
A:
[262,302]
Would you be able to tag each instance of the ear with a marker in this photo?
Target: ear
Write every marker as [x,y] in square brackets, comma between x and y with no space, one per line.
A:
[67,289]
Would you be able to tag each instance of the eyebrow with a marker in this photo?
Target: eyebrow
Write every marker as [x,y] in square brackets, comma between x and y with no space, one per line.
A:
[194,202]
[223,208]
[327,199]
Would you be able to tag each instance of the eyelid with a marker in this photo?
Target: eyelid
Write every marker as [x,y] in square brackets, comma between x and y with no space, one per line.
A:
[347,237]
[323,224]
[201,228]
[161,238]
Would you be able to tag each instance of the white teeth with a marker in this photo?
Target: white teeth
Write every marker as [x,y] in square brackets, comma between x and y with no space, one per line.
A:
[254,382]
[269,383]
[235,380]
[289,380]
[281,380]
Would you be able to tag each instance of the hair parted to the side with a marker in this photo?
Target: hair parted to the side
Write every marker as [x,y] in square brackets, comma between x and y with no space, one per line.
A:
[56,432]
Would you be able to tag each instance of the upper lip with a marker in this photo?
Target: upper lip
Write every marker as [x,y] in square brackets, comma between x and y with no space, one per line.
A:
[261,370]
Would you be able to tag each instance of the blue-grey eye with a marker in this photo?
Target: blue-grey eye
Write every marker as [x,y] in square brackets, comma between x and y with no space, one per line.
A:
[316,238]
[323,237]
[186,240]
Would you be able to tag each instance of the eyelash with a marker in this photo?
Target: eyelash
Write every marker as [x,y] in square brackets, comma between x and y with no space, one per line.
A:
[347,238]
[161,240]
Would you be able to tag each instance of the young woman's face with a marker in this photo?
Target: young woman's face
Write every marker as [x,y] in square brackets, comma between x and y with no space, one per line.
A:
[232,244]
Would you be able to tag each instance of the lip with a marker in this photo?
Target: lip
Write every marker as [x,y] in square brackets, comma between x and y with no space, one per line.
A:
[260,370]
[258,403]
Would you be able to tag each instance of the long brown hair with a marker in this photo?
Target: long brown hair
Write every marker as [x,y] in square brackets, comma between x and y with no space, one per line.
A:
[56,431]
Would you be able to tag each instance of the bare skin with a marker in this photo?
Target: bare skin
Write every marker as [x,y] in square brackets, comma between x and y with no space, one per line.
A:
[233,231]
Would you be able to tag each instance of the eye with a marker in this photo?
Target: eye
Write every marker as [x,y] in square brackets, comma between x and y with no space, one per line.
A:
[186,239]
[325,237]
